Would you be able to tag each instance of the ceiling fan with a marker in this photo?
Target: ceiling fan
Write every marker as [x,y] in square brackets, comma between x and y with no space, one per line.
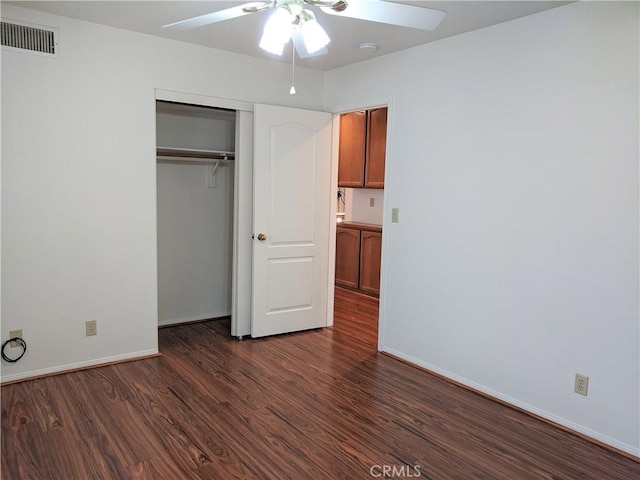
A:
[291,19]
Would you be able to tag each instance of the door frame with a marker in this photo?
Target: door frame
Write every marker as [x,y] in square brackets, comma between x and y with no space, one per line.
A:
[242,201]
[386,211]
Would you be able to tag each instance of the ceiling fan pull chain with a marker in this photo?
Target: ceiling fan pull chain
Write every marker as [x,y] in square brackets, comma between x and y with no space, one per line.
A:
[292,91]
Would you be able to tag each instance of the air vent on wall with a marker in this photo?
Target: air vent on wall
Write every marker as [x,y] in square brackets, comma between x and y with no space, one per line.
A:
[28,38]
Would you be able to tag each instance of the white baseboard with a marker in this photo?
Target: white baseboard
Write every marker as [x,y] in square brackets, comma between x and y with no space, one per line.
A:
[177,321]
[517,403]
[76,366]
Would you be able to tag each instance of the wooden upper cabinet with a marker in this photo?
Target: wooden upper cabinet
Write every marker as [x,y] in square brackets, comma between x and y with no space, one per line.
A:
[376,148]
[362,148]
[353,130]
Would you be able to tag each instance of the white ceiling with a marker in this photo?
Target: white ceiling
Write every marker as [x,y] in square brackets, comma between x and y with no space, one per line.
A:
[241,35]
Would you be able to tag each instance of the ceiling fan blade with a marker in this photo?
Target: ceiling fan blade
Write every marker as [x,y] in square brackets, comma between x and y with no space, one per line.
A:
[391,13]
[219,16]
[301,47]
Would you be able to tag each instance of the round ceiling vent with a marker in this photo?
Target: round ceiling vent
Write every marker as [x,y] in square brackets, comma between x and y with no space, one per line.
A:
[368,47]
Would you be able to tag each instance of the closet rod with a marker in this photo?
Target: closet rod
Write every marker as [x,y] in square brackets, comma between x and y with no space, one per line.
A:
[191,155]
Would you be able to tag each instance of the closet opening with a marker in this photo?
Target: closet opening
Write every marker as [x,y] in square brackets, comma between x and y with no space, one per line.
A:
[195,212]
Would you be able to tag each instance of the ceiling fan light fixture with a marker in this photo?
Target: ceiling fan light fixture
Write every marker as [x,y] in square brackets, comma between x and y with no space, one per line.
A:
[314,35]
[277,31]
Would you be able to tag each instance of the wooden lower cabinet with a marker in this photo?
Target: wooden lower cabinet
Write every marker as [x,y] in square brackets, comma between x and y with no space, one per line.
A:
[370,251]
[347,257]
[358,251]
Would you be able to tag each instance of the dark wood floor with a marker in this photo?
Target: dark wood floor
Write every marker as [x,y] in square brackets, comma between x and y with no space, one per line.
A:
[356,315]
[321,404]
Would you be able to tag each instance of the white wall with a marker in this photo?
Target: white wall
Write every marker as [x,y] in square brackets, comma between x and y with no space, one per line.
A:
[79,182]
[358,205]
[194,242]
[514,162]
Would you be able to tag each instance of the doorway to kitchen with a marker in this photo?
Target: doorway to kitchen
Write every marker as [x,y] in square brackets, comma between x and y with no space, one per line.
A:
[360,206]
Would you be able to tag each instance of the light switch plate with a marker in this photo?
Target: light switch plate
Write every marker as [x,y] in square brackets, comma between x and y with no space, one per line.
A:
[395,215]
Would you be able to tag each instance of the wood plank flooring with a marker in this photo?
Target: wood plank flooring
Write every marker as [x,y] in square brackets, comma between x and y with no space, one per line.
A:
[356,315]
[321,404]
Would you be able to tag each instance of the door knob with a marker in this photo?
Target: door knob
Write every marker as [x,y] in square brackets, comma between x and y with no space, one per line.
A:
[262,237]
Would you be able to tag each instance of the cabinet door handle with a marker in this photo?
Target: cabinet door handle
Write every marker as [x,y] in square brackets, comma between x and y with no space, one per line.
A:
[262,237]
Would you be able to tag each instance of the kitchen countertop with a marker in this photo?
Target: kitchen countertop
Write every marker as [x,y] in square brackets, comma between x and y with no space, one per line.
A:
[360,226]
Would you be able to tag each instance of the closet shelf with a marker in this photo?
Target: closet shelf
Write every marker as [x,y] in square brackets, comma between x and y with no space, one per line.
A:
[192,155]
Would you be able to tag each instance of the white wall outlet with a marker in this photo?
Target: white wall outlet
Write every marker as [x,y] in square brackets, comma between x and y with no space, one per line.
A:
[372,202]
[581,384]
[15,334]
[395,215]
[91,327]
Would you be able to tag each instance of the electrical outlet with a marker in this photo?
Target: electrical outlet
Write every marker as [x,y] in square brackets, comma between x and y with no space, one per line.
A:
[372,201]
[14,334]
[91,327]
[581,384]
